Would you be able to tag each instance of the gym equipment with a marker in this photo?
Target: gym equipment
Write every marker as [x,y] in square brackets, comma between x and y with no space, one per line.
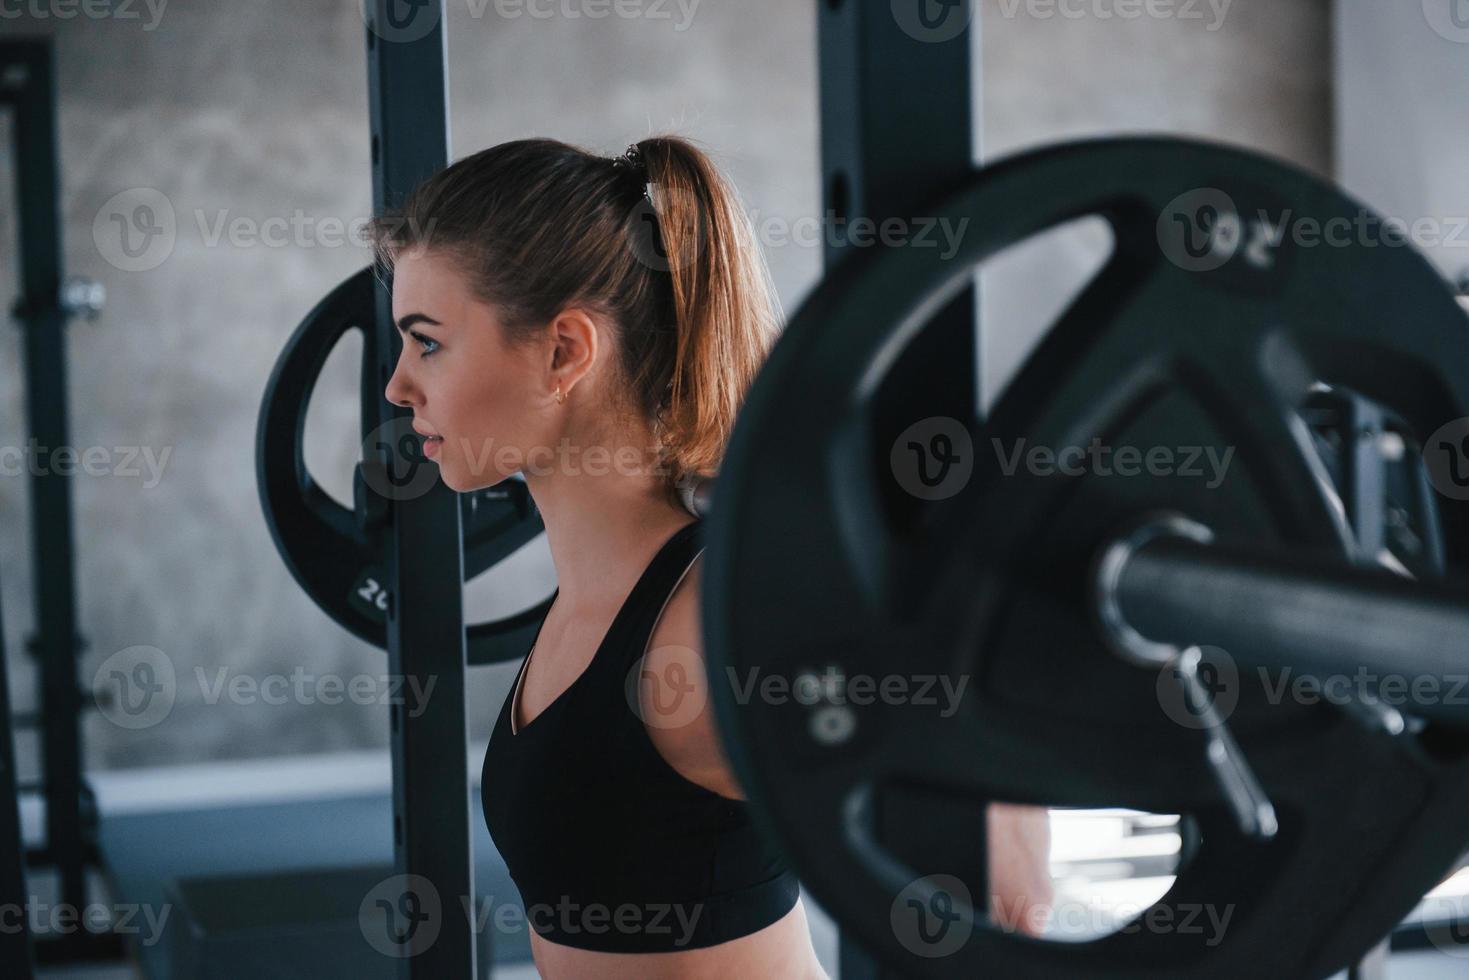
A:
[43,310]
[407,84]
[1214,324]
[15,946]
[339,555]
[391,569]
[901,94]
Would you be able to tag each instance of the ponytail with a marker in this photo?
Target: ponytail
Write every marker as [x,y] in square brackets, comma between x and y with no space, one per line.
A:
[726,313]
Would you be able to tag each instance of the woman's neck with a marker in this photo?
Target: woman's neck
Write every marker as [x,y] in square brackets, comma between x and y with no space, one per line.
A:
[599,526]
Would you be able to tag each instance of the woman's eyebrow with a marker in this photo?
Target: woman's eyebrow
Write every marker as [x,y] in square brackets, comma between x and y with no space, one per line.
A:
[413,319]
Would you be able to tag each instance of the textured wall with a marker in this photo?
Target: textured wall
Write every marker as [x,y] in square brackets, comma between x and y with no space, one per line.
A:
[258,110]
[1246,72]
[1400,143]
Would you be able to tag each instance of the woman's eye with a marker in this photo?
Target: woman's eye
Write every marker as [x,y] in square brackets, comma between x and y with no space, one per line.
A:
[428,344]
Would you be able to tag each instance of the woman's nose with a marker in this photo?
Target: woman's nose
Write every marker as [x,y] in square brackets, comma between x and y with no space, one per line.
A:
[399,391]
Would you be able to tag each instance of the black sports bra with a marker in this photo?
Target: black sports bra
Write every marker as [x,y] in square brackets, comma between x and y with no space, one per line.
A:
[611,847]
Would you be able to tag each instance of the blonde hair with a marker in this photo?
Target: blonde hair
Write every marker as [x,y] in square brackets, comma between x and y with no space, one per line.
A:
[538,226]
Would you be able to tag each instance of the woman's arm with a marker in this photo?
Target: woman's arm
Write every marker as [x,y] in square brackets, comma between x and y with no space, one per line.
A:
[1021,890]
[682,727]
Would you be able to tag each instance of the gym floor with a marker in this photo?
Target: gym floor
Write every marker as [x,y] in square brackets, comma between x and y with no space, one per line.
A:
[145,809]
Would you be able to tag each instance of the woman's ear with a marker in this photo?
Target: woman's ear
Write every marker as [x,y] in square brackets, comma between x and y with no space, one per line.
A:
[577,343]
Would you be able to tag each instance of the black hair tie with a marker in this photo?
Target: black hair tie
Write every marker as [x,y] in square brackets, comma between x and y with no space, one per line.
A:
[631,161]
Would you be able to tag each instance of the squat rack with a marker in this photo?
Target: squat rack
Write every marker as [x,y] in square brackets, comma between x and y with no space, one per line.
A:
[900,127]
[408,102]
[28,90]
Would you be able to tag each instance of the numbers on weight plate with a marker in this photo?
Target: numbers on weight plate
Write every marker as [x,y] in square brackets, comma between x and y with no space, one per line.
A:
[374,594]
[1264,238]
[1226,234]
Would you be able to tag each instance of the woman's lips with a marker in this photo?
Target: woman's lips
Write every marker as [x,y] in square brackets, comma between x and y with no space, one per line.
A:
[431,445]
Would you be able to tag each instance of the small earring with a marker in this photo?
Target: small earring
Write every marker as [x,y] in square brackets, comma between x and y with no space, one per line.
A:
[560,398]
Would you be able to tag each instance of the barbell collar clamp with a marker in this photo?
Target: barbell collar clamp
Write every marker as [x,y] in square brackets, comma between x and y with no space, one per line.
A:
[1124,640]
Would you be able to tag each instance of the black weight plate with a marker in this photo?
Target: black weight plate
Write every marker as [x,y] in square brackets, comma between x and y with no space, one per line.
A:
[337,554]
[1187,338]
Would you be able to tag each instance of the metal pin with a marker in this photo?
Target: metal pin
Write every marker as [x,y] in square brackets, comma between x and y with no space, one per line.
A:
[1253,811]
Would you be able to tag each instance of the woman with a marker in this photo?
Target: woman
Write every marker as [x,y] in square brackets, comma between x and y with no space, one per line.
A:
[594,324]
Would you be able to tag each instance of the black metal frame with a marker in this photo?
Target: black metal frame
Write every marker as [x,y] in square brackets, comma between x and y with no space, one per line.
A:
[15,945]
[898,130]
[28,89]
[408,99]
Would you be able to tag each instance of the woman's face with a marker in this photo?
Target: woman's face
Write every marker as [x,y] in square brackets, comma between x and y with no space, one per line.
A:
[478,401]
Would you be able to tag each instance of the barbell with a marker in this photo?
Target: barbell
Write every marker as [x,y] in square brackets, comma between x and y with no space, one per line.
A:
[1073,603]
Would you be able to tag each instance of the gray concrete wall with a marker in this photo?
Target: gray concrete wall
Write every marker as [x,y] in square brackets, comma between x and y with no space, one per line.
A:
[1246,72]
[258,110]
[1400,140]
